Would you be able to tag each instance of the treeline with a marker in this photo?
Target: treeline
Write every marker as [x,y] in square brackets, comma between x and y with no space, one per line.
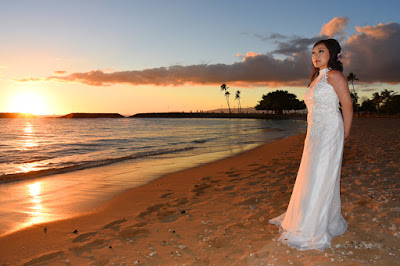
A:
[385,102]
[280,100]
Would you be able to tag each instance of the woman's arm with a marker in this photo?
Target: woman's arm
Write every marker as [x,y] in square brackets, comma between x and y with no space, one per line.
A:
[339,83]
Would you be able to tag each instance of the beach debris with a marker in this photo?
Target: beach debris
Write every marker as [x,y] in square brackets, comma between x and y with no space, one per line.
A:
[110,247]
[182,246]
[136,262]
[183,211]
[75,231]
[45,230]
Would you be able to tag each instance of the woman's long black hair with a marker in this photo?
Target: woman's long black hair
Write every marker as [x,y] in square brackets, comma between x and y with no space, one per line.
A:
[334,49]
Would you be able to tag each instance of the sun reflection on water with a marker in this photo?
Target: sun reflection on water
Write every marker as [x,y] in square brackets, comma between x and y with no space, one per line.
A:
[29,137]
[37,211]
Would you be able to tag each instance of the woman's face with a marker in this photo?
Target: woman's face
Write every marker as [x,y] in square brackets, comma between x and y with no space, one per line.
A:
[320,56]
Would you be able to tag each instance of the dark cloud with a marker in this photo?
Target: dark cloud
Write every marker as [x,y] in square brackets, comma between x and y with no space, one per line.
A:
[296,45]
[272,36]
[255,69]
[369,89]
[371,54]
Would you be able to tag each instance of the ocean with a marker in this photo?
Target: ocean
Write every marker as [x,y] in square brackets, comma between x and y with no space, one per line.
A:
[53,168]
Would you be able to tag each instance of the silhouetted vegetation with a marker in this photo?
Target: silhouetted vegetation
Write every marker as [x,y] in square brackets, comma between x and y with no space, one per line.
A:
[386,102]
[278,101]
[227,93]
[354,97]
[220,115]
[237,98]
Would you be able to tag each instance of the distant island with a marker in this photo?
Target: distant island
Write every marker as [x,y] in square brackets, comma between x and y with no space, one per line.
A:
[16,115]
[219,115]
[92,115]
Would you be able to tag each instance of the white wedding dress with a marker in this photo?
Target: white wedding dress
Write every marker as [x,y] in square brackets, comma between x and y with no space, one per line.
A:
[313,216]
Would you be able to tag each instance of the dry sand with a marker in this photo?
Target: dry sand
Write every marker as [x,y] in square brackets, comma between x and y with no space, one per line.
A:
[217,214]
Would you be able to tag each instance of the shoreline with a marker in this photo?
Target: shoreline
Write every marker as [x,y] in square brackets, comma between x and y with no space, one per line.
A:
[103,183]
[219,212]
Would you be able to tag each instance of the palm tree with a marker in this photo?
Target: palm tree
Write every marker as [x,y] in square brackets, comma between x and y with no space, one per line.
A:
[227,93]
[354,97]
[351,77]
[377,99]
[386,95]
[237,97]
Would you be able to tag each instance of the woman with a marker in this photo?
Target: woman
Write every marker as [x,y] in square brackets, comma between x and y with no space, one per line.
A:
[313,216]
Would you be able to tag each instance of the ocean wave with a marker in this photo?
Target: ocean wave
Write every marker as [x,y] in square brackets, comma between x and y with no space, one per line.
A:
[199,141]
[74,166]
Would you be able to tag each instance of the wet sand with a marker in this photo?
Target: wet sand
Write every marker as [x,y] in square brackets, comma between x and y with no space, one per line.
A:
[217,214]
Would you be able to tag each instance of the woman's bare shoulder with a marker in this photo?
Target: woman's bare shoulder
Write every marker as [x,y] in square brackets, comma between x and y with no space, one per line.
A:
[336,77]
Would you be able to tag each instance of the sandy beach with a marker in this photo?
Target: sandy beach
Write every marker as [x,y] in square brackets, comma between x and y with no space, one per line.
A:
[217,214]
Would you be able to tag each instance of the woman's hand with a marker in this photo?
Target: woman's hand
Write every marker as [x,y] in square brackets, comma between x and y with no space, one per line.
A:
[346,135]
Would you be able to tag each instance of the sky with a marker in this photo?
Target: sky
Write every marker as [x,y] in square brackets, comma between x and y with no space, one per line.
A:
[133,56]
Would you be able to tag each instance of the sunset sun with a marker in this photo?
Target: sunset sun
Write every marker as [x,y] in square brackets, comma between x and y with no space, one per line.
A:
[28,102]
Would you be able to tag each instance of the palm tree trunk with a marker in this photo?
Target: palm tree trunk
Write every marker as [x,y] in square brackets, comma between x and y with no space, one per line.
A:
[355,95]
[227,101]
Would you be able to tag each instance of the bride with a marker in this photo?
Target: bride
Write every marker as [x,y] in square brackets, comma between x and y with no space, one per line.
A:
[313,216]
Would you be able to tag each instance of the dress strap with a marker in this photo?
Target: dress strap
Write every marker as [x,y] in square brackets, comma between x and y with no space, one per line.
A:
[325,75]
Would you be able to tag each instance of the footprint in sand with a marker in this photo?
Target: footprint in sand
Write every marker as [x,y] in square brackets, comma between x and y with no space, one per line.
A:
[133,233]
[114,225]
[228,188]
[166,195]
[141,224]
[181,201]
[232,174]
[84,237]
[168,216]
[199,189]
[151,209]
[98,243]
[44,258]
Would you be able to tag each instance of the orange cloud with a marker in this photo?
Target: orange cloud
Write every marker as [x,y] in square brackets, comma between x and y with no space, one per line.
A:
[336,26]
[249,55]
[60,72]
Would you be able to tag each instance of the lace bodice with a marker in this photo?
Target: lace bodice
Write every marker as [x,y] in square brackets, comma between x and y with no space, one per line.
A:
[322,104]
